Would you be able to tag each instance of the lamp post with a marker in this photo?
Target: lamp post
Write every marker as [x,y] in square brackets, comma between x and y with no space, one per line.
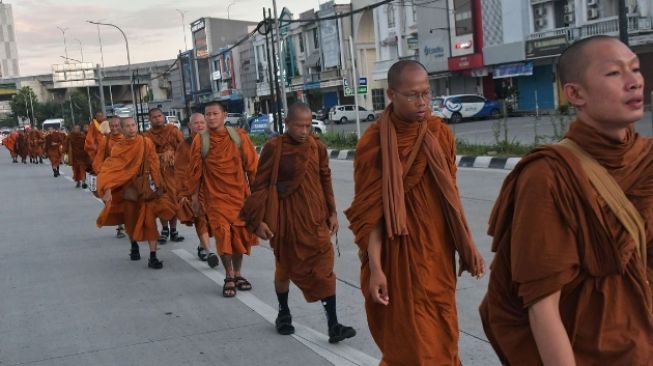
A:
[229,7]
[129,63]
[88,90]
[65,47]
[183,27]
[101,76]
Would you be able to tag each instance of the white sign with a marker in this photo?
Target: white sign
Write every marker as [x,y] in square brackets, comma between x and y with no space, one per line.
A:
[329,42]
[73,75]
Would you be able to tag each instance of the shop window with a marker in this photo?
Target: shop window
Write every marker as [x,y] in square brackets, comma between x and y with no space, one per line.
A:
[378,99]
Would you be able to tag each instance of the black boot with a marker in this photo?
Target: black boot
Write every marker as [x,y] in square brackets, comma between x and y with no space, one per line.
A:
[54,171]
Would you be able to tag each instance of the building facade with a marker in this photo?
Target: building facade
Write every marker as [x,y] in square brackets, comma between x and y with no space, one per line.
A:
[8,48]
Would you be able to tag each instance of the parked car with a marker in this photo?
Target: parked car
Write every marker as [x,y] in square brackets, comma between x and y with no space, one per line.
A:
[235,120]
[319,127]
[321,114]
[173,120]
[455,108]
[346,113]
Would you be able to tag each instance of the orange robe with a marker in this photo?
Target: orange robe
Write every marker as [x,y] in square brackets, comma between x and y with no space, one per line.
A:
[22,145]
[553,232]
[10,143]
[93,139]
[77,155]
[104,150]
[302,244]
[36,140]
[419,327]
[117,171]
[167,139]
[185,212]
[53,145]
[222,182]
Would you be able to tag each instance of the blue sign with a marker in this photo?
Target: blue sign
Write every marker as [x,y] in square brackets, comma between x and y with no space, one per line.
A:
[362,81]
[436,52]
[260,124]
[312,85]
[513,70]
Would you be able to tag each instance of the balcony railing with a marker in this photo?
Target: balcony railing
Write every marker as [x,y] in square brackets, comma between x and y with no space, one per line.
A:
[607,26]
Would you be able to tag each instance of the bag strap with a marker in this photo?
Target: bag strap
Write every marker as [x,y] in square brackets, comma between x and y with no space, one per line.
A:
[418,145]
[614,197]
[277,161]
[205,143]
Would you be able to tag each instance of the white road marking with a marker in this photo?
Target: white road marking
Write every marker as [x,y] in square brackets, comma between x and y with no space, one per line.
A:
[338,354]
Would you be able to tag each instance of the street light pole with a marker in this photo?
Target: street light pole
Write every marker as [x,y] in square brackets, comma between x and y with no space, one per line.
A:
[183,27]
[65,46]
[228,7]
[88,90]
[281,60]
[129,63]
[100,76]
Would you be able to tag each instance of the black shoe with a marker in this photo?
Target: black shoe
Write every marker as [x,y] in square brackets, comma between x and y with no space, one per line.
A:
[78,185]
[134,254]
[175,237]
[201,254]
[212,260]
[84,185]
[40,160]
[119,233]
[163,238]
[339,332]
[284,324]
[54,171]
[155,263]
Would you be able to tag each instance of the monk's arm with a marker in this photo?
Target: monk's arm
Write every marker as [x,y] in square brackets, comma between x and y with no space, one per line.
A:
[195,166]
[154,162]
[549,332]
[325,178]
[249,150]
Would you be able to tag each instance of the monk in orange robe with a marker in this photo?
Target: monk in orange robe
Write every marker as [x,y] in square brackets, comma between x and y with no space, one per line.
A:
[36,140]
[196,124]
[94,135]
[118,171]
[77,155]
[10,143]
[22,145]
[166,138]
[54,142]
[305,218]
[221,180]
[571,283]
[408,221]
[104,148]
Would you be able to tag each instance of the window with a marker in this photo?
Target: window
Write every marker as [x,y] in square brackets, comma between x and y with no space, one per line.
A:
[391,15]
[378,99]
[362,109]
[349,108]
[300,40]
[316,39]
[463,17]
[471,99]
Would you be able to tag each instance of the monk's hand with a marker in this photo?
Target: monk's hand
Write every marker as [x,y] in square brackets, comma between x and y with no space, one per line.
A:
[107,196]
[263,231]
[379,287]
[168,158]
[477,266]
[333,224]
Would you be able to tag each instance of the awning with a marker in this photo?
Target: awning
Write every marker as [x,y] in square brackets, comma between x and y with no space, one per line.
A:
[513,70]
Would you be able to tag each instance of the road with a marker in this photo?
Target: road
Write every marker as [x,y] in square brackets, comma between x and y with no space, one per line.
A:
[71,296]
[520,129]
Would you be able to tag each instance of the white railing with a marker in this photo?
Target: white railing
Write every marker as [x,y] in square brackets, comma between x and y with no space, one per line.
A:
[606,26]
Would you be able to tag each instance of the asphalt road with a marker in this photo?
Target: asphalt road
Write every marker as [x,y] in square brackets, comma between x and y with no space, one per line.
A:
[71,296]
[520,129]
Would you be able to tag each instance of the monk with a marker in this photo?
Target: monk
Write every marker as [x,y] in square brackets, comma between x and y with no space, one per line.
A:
[571,282]
[53,144]
[408,221]
[125,162]
[22,145]
[197,124]
[104,148]
[94,135]
[10,143]
[166,138]
[77,156]
[36,140]
[305,219]
[221,180]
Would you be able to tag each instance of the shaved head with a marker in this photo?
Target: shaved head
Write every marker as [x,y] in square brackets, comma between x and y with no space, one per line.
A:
[298,108]
[573,61]
[396,70]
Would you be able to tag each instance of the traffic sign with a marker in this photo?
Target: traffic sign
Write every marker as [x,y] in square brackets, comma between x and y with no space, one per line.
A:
[362,81]
[345,82]
[362,89]
[349,91]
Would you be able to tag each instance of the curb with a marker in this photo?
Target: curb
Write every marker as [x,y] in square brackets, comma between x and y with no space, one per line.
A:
[462,161]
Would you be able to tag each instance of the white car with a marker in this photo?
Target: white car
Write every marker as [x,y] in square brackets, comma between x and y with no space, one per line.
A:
[346,113]
[455,108]
[173,120]
[235,120]
[319,127]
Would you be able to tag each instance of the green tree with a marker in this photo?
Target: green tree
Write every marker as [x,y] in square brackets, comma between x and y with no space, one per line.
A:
[20,104]
[79,101]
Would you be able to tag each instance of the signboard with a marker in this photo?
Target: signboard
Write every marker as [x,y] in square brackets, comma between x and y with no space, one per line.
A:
[197,25]
[329,43]
[513,70]
[362,81]
[73,75]
[345,82]
[349,91]
[8,89]
[312,85]
[473,61]
[199,43]
[362,89]
[544,47]
[413,43]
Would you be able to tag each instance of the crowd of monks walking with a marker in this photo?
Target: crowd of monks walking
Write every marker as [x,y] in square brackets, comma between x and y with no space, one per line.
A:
[572,228]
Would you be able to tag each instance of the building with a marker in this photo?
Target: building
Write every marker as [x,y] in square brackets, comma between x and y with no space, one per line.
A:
[435,43]
[8,49]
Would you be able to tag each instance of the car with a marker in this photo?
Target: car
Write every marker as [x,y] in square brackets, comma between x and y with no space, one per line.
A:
[173,120]
[235,120]
[321,114]
[346,113]
[319,127]
[455,108]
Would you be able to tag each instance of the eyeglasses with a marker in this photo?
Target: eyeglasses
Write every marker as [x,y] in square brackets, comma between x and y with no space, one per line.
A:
[413,96]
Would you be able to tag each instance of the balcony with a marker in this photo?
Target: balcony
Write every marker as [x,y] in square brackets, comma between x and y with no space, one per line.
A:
[607,26]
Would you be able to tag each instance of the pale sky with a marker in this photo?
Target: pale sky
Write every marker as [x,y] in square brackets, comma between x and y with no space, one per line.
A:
[153,27]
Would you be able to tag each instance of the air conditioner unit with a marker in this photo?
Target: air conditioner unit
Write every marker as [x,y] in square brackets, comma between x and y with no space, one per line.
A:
[569,8]
[592,13]
[540,23]
[592,2]
[569,18]
[540,11]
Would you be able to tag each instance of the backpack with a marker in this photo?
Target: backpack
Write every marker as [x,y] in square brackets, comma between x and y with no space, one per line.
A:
[205,142]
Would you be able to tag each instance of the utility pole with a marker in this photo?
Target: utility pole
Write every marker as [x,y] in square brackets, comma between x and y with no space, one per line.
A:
[277,23]
[355,82]
[32,106]
[269,68]
[623,22]
[88,89]
[279,119]
[183,85]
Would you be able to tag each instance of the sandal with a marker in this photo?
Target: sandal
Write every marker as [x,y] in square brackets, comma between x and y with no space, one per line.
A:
[242,284]
[229,291]
[175,237]
[164,236]
[119,233]
[284,324]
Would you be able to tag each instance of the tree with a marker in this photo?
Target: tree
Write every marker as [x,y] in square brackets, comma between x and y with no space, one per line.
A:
[20,104]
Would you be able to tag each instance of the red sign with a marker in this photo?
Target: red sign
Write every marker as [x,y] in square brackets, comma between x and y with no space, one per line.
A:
[473,61]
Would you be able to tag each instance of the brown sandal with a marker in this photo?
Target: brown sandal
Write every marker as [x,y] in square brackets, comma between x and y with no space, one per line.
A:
[242,284]
[229,291]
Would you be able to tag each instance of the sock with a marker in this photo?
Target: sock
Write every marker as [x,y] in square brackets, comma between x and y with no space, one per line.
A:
[283,302]
[134,245]
[152,255]
[165,228]
[329,304]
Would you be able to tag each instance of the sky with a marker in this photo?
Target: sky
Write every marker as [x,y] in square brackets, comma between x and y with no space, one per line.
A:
[153,27]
